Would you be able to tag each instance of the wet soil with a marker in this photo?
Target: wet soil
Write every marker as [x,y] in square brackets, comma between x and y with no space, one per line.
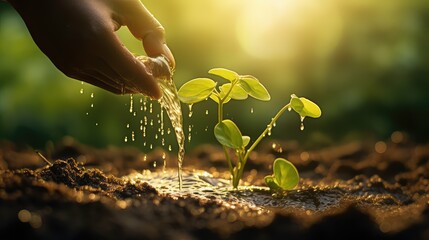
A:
[357,190]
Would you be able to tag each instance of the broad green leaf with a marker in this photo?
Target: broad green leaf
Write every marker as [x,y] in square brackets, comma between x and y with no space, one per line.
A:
[269,180]
[254,88]
[236,93]
[228,134]
[305,107]
[224,73]
[285,174]
[246,140]
[196,90]
[310,108]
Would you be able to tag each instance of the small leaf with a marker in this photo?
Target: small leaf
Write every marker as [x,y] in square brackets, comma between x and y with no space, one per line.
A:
[296,104]
[224,73]
[310,108]
[269,180]
[246,140]
[228,134]
[305,107]
[285,174]
[196,90]
[236,93]
[254,88]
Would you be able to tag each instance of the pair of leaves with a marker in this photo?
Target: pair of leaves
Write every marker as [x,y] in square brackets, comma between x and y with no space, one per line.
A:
[229,135]
[199,89]
[285,176]
[246,85]
[305,107]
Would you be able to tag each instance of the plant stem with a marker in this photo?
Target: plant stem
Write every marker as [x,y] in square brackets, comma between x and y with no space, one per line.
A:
[236,174]
[240,168]
[231,169]
[225,150]
[220,112]
[269,127]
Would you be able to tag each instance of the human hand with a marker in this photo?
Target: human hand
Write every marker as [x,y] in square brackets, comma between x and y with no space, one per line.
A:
[79,37]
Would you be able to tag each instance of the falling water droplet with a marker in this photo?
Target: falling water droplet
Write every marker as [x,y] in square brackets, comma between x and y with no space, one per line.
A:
[132,136]
[151,122]
[162,121]
[87,113]
[126,139]
[144,132]
[206,129]
[145,120]
[289,109]
[134,114]
[128,125]
[190,110]
[92,105]
[92,95]
[302,123]
[168,131]
[154,164]
[274,146]
[151,146]
[189,133]
[144,158]
[81,91]
[131,103]
[251,110]
[164,165]
[156,136]
[150,107]
[163,141]
[169,148]
[96,124]
[144,143]
[207,112]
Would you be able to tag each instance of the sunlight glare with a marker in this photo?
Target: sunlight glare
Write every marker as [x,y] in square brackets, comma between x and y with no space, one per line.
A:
[277,29]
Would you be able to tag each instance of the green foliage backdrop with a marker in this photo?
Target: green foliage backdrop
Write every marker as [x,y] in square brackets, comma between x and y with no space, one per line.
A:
[366,63]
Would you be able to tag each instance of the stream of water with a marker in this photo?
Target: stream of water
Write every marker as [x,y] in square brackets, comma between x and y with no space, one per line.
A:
[170,102]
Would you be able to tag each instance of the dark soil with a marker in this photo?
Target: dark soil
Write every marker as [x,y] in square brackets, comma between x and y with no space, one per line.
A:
[359,190]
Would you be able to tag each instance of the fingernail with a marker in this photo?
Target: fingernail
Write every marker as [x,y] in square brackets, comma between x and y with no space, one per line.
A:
[169,56]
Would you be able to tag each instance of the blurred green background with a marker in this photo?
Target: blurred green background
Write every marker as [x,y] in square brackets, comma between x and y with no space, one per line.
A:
[366,63]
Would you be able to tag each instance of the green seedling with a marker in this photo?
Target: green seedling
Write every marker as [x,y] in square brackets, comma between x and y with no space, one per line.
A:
[285,176]
[240,87]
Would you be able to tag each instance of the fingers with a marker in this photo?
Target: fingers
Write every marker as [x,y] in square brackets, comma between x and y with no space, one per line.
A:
[144,26]
[128,69]
[100,80]
[154,47]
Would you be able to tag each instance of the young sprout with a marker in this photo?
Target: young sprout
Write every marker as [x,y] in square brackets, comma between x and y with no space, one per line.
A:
[285,176]
[239,87]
